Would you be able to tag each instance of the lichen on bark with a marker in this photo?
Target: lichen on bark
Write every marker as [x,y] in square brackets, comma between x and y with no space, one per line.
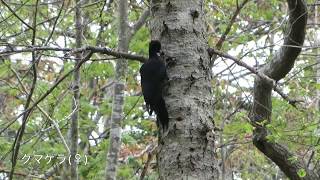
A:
[186,151]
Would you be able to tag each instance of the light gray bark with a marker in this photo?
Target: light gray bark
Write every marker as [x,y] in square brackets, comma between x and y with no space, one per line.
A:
[119,86]
[316,43]
[118,98]
[186,151]
[277,69]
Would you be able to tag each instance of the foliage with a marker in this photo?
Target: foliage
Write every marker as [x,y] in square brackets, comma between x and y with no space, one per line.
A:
[253,38]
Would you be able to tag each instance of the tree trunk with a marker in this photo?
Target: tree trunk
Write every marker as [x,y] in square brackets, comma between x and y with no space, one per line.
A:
[118,95]
[73,131]
[186,151]
[316,43]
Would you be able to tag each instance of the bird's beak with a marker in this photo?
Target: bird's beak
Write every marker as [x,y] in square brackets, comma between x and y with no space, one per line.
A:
[161,53]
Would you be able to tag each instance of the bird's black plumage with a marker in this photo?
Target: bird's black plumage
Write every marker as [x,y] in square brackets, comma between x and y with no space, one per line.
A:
[153,74]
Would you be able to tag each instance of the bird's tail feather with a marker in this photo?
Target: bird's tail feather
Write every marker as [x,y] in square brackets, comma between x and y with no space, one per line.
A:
[162,114]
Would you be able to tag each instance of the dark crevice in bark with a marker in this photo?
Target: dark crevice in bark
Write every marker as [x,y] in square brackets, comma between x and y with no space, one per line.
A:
[187,152]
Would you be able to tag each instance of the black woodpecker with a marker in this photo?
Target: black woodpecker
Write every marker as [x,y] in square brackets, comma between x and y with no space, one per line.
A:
[153,75]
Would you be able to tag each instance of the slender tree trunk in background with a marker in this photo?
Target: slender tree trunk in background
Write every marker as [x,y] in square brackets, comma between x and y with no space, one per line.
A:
[94,81]
[316,51]
[3,95]
[73,131]
[118,94]
[187,150]
[118,98]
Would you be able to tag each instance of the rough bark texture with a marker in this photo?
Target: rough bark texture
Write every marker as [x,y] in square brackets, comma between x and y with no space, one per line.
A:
[277,69]
[186,151]
[119,87]
[118,98]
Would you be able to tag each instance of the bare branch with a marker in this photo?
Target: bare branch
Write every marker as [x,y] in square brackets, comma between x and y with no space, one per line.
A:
[16,15]
[260,74]
[284,59]
[152,150]
[277,69]
[20,133]
[55,124]
[101,50]
[27,175]
[233,19]
[48,92]
[141,21]
[228,29]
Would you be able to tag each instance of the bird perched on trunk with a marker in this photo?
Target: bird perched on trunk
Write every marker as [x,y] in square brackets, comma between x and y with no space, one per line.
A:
[153,75]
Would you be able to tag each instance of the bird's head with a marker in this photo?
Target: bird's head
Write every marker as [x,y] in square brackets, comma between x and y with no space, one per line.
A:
[154,48]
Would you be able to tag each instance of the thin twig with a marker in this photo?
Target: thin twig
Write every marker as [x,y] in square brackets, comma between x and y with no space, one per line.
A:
[21,174]
[258,73]
[55,124]
[48,92]
[151,153]
[16,15]
[101,50]
[17,141]
[231,22]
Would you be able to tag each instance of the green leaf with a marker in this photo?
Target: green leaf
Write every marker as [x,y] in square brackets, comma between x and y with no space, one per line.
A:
[317,86]
[302,173]
[293,159]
